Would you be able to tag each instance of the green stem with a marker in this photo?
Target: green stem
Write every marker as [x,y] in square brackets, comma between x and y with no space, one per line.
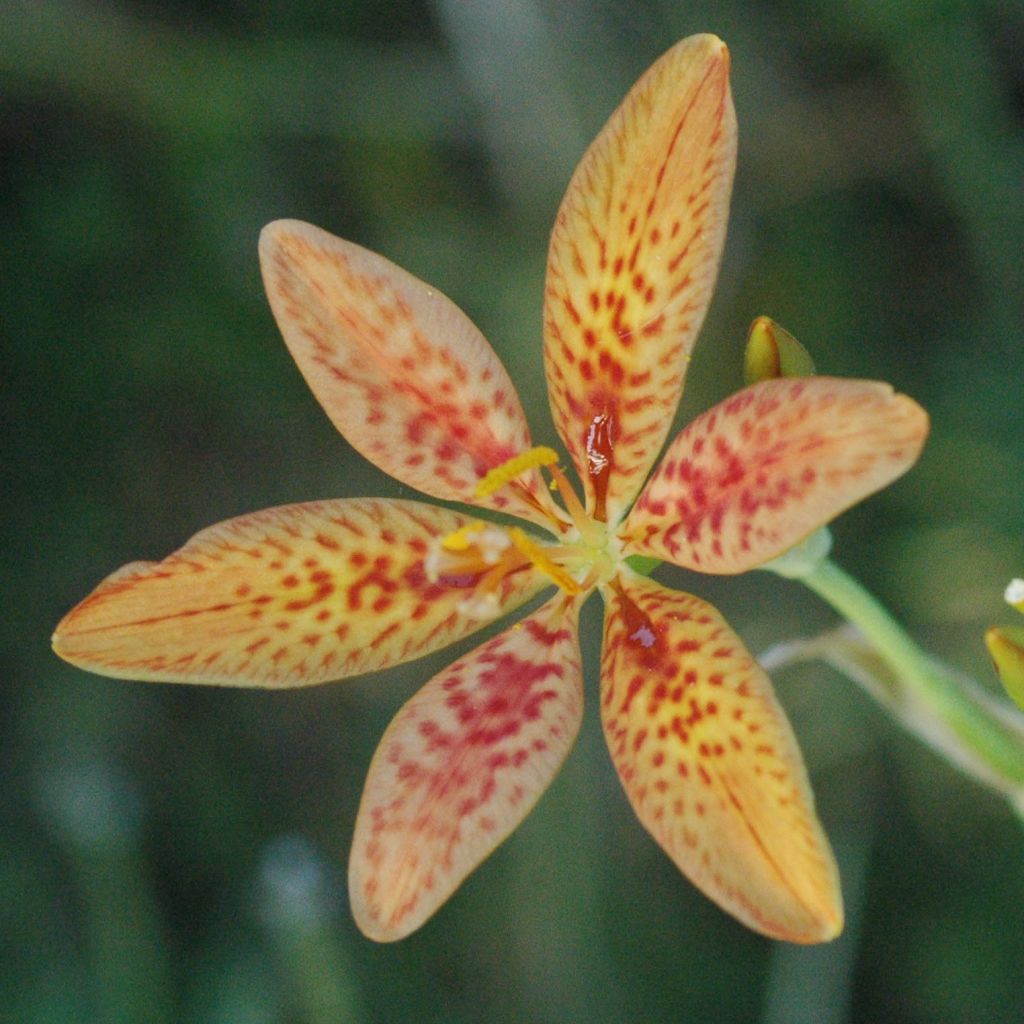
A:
[952,714]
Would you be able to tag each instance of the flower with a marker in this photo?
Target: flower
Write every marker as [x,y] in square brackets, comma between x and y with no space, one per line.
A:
[314,592]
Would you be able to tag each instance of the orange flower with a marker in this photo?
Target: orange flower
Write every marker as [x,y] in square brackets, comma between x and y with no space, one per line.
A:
[315,592]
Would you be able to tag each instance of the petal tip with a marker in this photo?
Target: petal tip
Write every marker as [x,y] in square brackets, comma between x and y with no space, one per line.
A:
[280,226]
[270,233]
[815,916]
[58,638]
[709,41]
[829,931]
[372,926]
[68,645]
[62,643]
[712,49]
[277,234]
[383,912]
[824,926]
[706,50]
[57,643]
[915,419]
[721,50]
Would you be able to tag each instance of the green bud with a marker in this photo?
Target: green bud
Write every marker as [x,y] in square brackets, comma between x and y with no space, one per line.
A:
[773,352]
[1006,647]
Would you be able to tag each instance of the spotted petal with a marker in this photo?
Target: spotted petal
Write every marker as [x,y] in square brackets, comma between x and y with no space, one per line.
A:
[290,596]
[761,470]
[400,370]
[633,259]
[710,764]
[460,767]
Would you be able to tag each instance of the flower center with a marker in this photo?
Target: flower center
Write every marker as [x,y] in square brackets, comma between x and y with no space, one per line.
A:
[487,554]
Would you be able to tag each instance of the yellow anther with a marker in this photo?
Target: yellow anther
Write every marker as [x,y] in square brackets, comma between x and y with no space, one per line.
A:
[461,539]
[535,553]
[508,471]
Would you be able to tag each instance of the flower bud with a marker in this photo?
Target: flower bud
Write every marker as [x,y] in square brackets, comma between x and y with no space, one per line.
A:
[1006,647]
[773,352]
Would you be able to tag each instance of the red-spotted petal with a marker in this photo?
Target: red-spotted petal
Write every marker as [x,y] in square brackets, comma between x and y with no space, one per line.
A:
[290,596]
[460,767]
[633,259]
[757,473]
[710,764]
[400,370]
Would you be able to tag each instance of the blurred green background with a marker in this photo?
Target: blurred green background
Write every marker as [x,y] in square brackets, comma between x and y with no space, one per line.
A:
[177,855]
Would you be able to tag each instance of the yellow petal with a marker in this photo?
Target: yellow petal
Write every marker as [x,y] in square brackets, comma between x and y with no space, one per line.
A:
[290,596]
[401,371]
[710,765]
[460,767]
[633,259]
[763,469]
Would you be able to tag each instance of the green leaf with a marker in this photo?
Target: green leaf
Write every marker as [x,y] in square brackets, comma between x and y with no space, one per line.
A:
[643,564]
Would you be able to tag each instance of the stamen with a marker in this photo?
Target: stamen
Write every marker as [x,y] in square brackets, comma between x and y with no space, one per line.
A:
[535,553]
[471,549]
[462,538]
[483,602]
[480,540]
[588,531]
[499,476]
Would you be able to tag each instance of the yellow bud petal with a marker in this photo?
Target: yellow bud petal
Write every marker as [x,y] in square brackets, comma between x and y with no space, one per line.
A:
[773,352]
[1006,646]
